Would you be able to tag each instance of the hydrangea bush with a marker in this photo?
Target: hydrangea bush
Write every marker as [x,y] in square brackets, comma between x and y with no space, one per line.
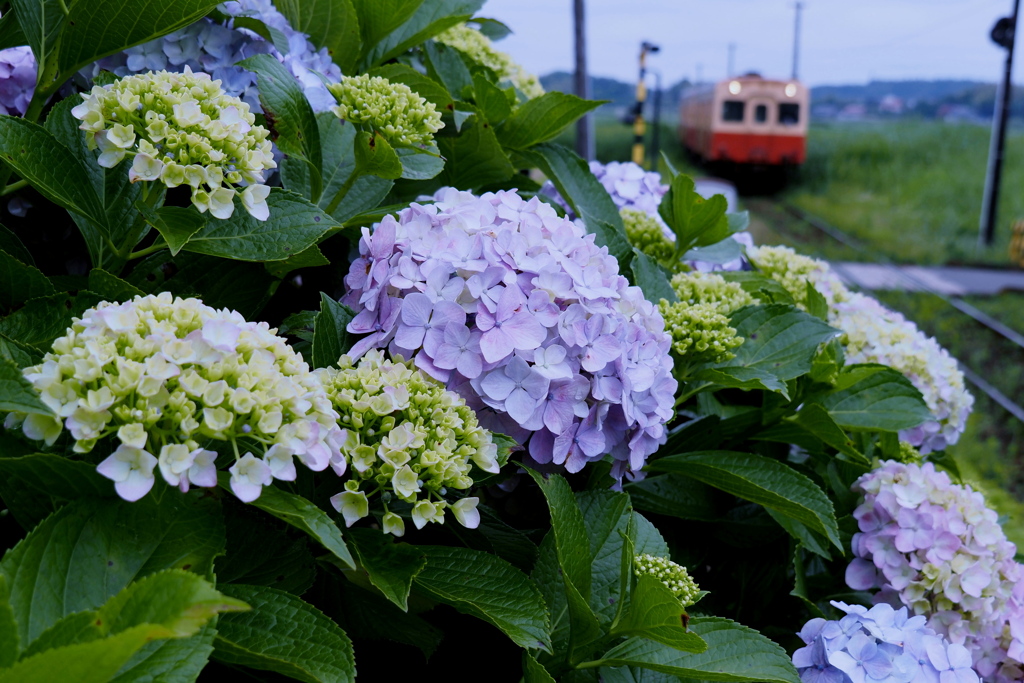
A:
[226,393]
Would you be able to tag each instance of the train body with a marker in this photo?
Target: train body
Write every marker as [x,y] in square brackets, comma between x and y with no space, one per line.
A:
[748,121]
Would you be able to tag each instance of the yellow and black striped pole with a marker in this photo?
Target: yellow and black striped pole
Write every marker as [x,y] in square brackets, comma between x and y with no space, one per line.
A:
[639,125]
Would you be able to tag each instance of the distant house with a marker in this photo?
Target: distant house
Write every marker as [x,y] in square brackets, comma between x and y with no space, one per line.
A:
[855,111]
[960,113]
[891,104]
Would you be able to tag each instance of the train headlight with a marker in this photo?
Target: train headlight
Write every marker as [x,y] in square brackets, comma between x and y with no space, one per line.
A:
[734,87]
[790,90]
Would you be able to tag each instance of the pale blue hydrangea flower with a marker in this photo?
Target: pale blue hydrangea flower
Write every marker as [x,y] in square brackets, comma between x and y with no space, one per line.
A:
[17,80]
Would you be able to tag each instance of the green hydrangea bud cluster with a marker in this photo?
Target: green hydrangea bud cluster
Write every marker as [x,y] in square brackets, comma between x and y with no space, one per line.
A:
[169,376]
[646,234]
[709,288]
[674,576]
[699,321]
[391,109]
[407,438]
[793,271]
[908,454]
[479,48]
[182,129]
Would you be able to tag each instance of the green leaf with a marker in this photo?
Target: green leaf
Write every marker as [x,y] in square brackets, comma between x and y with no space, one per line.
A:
[697,222]
[175,660]
[268,33]
[655,613]
[371,616]
[585,194]
[301,514]
[487,587]
[378,18]
[777,339]
[328,23]
[96,661]
[816,543]
[263,553]
[816,304]
[41,23]
[18,353]
[9,638]
[420,164]
[475,157]
[760,480]
[312,257]
[445,65]
[330,332]
[634,674]
[875,397]
[17,393]
[13,245]
[99,28]
[649,277]
[533,672]
[80,627]
[175,224]
[719,252]
[49,166]
[288,112]
[429,19]
[111,287]
[491,99]
[376,156]
[739,377]
[570,532]
[35,485]
[91,549]
[815,418]
[294,225]
[42,320]
[20,282]
[390,566]
[422,84]
[286,635]
[735,654]
[11,34]
[178,600]
[543,118]
[674,495]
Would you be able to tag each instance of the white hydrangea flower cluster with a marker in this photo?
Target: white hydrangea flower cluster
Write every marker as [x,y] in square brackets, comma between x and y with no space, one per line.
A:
[479,48]
[170,376]
[674,576]
[182,129]
[210,46]
[408,438]
[935,547]
[392,109]
[874,334]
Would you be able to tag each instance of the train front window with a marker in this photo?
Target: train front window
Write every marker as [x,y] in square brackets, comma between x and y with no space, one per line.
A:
[732,110]
[761,113]
[789,114]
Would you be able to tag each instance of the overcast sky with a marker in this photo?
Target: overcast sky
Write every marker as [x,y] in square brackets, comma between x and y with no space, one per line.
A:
[842,41]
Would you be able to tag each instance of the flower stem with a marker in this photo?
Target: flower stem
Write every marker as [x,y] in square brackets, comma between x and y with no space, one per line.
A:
[13,187]
[342,192]
[147,251]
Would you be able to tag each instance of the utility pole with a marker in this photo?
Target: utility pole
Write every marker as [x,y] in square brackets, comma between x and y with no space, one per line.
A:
[796,39]
[584,126]
[639,126]
[1003,35]
[730,70]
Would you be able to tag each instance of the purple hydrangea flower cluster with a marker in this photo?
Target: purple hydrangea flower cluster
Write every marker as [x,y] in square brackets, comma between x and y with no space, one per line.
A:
[876,645]
[215,48]
[17,80]
[521,313]
[935,547]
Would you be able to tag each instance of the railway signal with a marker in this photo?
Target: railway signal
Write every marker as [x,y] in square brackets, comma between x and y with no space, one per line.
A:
[639,127]
[1003,34]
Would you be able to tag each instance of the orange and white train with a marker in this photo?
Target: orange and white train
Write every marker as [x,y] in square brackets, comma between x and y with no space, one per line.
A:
[749,121]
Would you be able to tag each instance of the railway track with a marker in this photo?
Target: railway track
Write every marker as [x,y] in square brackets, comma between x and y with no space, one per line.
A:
[765,207]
